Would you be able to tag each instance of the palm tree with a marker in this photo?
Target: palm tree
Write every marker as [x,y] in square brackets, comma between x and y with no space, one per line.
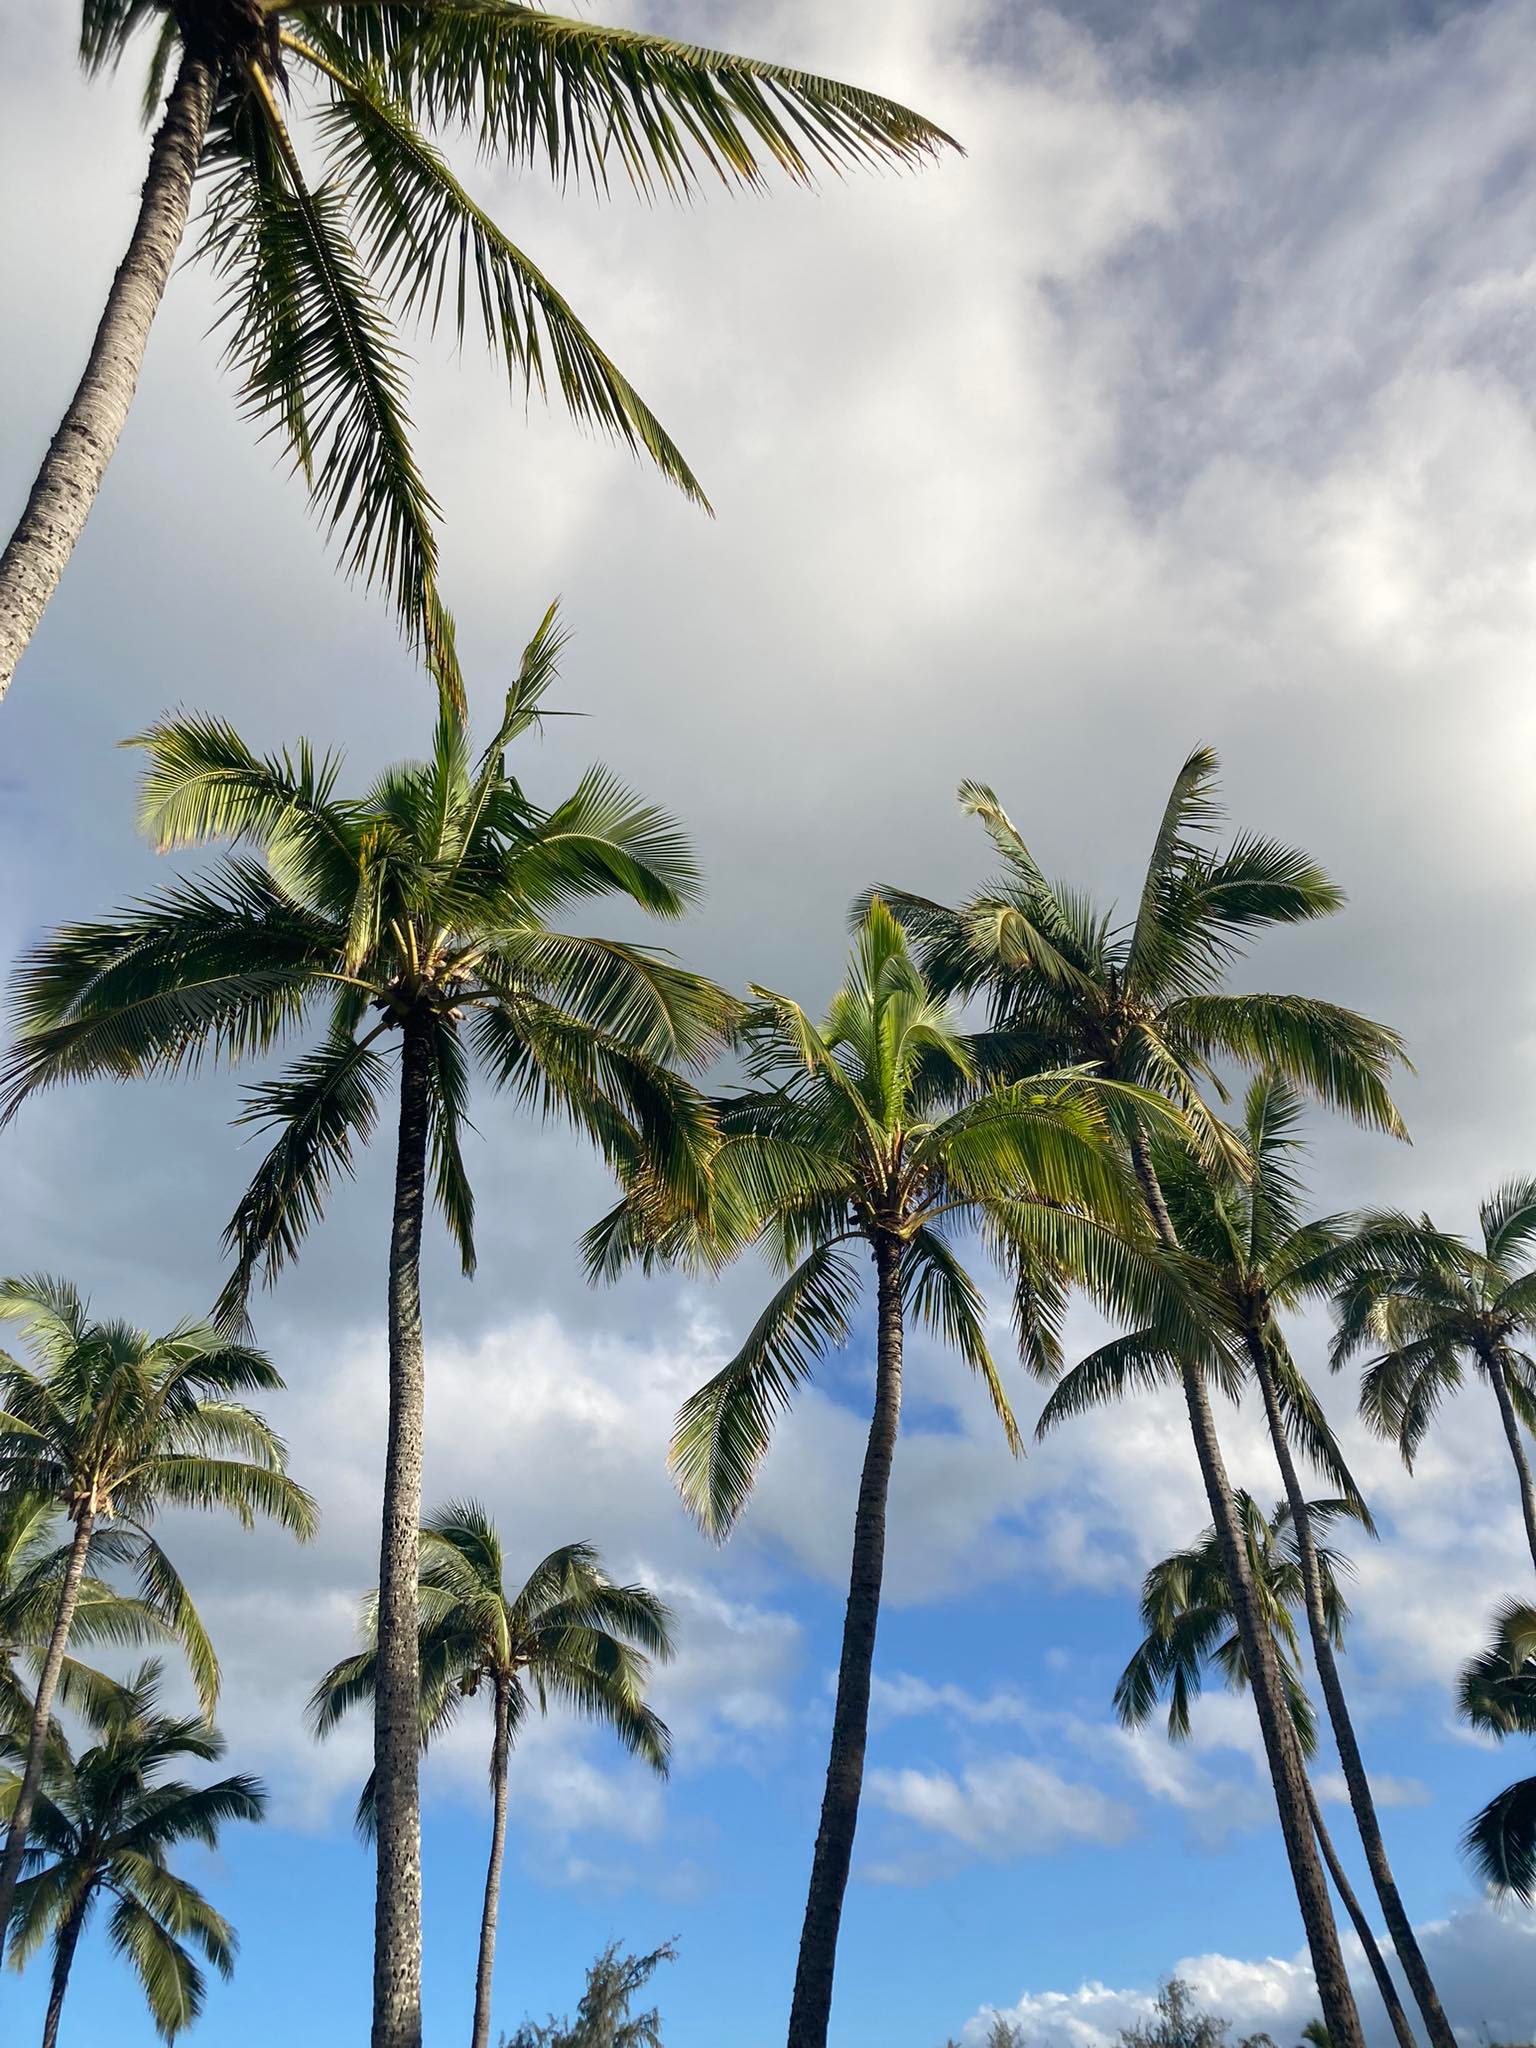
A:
[414,916]
[105,1825]
[33,1565]
[1144,1002]
[1497,1694]
[870,1132]
[568,1633]
[113,1425]
[1187,1611]
[319,272]
[1430,1304]
[1248,1252]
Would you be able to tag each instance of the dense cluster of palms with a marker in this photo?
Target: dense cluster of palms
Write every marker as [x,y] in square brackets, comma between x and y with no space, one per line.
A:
[1024,1092]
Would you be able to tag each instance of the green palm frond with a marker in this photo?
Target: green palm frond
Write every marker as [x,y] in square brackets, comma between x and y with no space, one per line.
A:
[723,1430]
[941,1294]
[576,96]
[1336,1055]
[1500,1842]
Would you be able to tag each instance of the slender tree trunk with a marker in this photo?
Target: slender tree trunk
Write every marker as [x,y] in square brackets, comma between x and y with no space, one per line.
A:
[1399,1926]
[77,458]
[397,1700]
[1362,1927]
[1495,1371]
[1286,1768]
[63,1962]
[501,1743]
[812,2005]
[42,1715]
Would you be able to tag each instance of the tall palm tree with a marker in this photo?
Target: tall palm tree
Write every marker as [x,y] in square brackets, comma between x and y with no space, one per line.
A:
[1250,1251]
[1144,1000]
[112,1426]
[568,1633]
[869,1134]
[105,1827]
[414,917]
[33,1565]
[1429,1304]
[1187,1612]
[320,269]
[1497,1694]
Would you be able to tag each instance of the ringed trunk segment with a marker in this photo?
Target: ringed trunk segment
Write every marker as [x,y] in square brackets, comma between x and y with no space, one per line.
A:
[42,1714]
[811,2007]
[396,1728]
[1362,1926]
[1500,1384]
[1362,1801]
[66,485]
[485,1969]
[1286,1768]
[63,1963]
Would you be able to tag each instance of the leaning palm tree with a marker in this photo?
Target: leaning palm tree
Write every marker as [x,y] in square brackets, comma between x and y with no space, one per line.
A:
[1144,1000]
[33,1566]
[414,917]
[1187,1612]
[113,1426]
[104,1827]
[868,1135]
[319,269]
[1497,1694]
[568,1634]
[1429,1304]
[1249,1251]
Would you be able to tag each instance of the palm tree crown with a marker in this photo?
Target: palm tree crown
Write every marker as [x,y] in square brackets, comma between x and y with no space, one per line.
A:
[567,1635]
[105,1826]
[114,1425]
[417,912]
[1497,1694]
[323,260]
[1429,1304]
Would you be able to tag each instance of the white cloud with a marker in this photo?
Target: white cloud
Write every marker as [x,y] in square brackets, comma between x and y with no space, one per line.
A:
[1006,1807]
[1481,1959]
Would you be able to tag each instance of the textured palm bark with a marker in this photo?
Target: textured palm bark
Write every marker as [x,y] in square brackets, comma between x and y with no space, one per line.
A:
[1399,1926]
[42,1714]
[811,2008]
[1516,1447]
[397,1701]
[63,1962]
[1362,1927]
[65,489]
[501,1743]
[1286,1768]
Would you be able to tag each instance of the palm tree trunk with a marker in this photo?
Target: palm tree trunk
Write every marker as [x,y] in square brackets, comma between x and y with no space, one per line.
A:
[1495,1371]
[811,2008]
[1363,1804]
[500,1745]
[1362,1927]
[63,1961]
[79,452]
[42,1715]
[1286,1768]
[397,1699]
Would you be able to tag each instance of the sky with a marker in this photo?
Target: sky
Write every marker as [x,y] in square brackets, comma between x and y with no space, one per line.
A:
[1193,404]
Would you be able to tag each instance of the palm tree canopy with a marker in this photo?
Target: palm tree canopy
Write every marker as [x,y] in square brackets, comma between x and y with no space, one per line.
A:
[1497,1694]
[117,1424]
[568,1636]
[877,1124]
[1247,1248]
[33,1562]
[334,218]
[1188,1616]
[107,1822]
[1428,1303]
[1143,998]
[420,906]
